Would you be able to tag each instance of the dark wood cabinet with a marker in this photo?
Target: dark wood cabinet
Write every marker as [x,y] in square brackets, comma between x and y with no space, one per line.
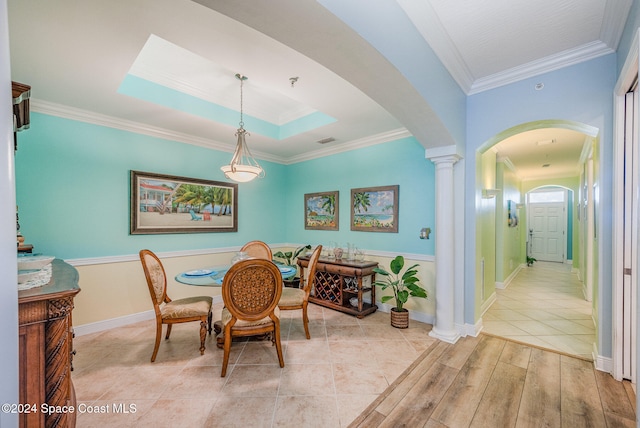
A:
[46,349]
[343,284]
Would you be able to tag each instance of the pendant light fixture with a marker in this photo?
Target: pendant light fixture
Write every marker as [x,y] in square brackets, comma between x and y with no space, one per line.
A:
[243,166]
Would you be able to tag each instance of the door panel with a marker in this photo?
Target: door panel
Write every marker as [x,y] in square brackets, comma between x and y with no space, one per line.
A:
[547,223]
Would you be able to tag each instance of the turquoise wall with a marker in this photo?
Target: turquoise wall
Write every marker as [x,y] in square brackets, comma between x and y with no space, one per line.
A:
[72,182]
[399,162]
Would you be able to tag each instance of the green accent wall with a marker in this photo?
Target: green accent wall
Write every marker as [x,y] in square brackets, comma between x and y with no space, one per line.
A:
[509,253]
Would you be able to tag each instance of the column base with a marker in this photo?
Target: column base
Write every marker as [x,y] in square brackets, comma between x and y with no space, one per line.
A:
[446,336]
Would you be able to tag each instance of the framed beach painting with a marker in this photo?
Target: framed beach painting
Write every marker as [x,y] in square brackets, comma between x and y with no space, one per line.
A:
[321,211]
[375,209]
[170,204]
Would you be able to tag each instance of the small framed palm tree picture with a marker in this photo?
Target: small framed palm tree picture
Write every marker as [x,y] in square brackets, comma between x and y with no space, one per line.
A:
[375,209]
[321,211]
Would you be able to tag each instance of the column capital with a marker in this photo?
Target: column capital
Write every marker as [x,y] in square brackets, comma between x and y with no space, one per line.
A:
[448,159]
[443,154]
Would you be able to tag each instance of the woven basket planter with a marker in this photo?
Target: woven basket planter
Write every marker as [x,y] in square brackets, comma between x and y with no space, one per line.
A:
[399,319]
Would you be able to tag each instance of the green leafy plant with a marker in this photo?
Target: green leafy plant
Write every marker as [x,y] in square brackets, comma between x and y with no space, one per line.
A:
[530,260]
[289,256]
[403,284]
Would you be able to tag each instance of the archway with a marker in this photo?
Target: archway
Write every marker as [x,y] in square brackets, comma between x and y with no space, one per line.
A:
[500,192]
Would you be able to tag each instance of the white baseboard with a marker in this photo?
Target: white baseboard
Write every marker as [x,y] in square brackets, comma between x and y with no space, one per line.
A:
[603,364]
[96,327]
[487,304]
[505,284]
[470,329]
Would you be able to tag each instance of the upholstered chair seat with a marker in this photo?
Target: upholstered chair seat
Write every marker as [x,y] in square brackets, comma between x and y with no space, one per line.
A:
[170,311]
[251,290]
[185,308]
[291,297]
[298,298]
[226,317]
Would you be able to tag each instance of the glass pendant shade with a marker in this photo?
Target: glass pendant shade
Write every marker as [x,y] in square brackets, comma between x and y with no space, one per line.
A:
[243,166]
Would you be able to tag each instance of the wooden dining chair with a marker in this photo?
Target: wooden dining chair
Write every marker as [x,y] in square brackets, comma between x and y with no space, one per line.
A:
[257,250]
[251,290]
[298,298]
[173,311]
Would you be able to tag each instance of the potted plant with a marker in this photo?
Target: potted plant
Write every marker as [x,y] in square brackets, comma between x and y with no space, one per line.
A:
[403,285]
[289,258]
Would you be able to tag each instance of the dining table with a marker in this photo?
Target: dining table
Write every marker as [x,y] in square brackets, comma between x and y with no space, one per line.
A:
[213,277]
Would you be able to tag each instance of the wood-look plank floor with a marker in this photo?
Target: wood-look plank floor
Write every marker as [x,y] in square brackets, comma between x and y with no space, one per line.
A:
[487,381]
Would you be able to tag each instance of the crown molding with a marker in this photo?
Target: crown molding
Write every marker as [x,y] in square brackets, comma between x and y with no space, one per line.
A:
[429,26]
[426,21]
[66,112]
[372,140]
[507,162]
[615,16]
[544,65]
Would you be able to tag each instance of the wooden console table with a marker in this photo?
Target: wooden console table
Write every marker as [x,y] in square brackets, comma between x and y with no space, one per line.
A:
[46,348]
[338,281]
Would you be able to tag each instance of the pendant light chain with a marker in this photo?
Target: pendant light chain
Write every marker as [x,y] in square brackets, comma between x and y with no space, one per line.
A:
[243,167]
[241,104]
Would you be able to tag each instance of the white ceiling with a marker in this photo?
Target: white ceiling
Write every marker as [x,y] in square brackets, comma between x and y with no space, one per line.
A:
[76,53]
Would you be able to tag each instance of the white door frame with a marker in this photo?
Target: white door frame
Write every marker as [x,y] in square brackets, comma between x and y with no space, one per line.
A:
[627,76]
[565,213]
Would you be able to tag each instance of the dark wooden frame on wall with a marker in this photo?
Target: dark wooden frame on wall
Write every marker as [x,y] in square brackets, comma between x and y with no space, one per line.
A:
[332,219]
[185,205]
[362,224]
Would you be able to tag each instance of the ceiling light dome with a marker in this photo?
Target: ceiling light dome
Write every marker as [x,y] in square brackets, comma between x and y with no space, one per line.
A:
[243,166]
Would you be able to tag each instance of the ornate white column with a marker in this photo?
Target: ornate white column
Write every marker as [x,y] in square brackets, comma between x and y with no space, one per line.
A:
[444,326]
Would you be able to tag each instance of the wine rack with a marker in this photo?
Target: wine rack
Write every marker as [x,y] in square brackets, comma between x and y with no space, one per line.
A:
[343,285]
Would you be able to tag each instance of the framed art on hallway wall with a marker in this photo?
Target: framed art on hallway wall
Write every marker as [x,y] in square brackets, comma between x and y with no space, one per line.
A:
[171,204]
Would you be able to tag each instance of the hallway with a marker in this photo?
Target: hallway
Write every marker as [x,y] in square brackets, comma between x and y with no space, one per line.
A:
[544,306]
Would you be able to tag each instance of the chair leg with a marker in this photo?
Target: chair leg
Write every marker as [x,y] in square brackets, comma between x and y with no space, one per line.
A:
[227,349]
[209,322]
[305,320]
[168,330]
[158,336]
[203,336]
[276,333]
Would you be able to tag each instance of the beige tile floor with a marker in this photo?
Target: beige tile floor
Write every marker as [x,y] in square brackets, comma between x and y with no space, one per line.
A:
[544,305]
[326,382]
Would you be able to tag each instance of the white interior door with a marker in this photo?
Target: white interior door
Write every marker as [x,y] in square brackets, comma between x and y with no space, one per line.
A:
[547,220]
[630,254]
